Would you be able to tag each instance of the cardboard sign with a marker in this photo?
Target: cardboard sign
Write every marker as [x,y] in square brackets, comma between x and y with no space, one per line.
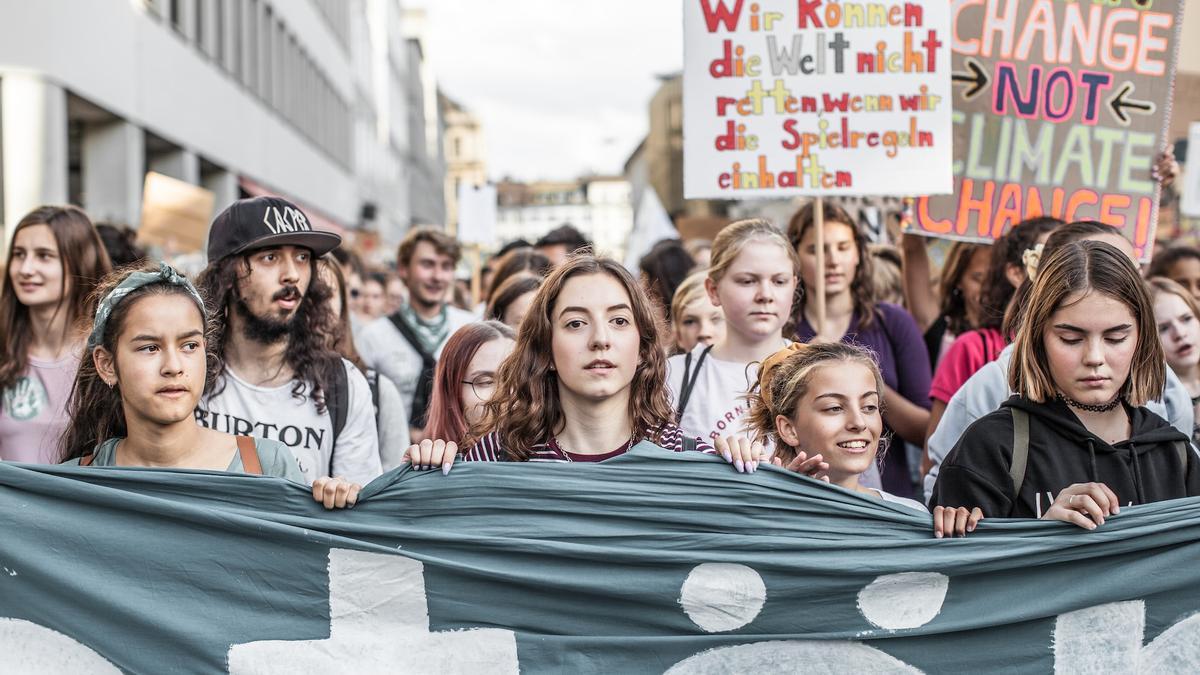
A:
[816,97]
[175,215]
[1059,108]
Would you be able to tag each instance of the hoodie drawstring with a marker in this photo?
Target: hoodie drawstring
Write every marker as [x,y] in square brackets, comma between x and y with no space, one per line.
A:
[1092,472]
[1137,474]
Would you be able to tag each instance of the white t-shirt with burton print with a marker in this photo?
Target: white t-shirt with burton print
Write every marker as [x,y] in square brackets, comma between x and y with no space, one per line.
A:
[274,413]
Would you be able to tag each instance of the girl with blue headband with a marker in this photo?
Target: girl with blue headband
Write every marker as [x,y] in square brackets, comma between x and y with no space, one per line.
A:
[138,385]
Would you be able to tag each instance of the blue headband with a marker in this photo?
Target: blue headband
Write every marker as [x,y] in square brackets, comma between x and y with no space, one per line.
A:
[165,274]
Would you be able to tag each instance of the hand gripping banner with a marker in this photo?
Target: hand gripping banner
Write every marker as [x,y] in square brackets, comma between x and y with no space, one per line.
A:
[650,563]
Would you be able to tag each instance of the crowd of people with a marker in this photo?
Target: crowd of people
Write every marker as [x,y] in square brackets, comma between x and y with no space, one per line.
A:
[1039,377]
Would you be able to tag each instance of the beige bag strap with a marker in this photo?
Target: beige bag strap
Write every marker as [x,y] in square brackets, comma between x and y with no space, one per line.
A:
[1020,456]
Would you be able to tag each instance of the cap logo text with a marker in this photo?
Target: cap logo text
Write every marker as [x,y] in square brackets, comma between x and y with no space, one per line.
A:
[285,220]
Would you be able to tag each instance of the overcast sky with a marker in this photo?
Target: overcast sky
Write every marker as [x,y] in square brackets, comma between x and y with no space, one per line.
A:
[562,88]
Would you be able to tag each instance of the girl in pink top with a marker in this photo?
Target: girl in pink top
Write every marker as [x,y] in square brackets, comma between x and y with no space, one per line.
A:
[54,262]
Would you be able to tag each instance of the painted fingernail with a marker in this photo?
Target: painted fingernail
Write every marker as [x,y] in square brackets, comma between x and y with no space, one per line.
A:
[937,534]
[739,466]
[446,469]
[728,457]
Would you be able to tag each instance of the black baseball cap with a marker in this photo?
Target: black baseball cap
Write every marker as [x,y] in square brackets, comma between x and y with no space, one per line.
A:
[263,222]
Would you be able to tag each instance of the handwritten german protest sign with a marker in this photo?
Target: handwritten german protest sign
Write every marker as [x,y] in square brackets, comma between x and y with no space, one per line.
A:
[816,97]
[1060,107]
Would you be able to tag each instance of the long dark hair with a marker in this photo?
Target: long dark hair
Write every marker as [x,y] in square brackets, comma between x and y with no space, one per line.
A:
[95,409]
[308,353]
[665,267]
[953,304]
[862,286]
[526,410]
[84,261]
[1009,250]
[340,338]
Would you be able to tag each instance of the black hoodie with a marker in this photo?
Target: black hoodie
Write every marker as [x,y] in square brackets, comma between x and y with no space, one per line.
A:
[1145,468]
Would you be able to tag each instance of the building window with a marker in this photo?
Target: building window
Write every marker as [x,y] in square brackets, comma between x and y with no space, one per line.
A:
[177,18]
[199,31]
[219,34]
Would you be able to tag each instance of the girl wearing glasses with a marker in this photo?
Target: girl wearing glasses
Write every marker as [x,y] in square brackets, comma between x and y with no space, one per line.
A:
[466,377]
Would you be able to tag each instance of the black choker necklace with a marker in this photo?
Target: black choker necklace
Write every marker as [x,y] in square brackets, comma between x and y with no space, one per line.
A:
[1102,408]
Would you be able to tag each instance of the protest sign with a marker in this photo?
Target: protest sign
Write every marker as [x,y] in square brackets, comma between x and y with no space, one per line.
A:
[175,214]
[1059,109]
[649,563]
[816,97]
[476,214]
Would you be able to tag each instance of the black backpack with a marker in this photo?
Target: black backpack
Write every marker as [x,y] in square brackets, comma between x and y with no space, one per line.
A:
[337,402]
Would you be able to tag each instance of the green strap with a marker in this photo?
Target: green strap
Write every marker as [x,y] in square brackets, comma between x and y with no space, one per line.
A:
[1020,456]
[1182,448]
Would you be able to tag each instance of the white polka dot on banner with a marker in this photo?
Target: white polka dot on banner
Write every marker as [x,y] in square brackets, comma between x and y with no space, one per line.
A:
[905,600]
[720,597]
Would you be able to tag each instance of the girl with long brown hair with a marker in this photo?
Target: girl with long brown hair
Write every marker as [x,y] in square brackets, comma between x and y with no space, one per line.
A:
[391,420]
[586,381]
[135,395]
[55,259]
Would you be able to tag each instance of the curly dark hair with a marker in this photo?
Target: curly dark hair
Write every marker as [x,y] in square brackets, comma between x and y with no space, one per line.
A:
[1008,252]
[308,354]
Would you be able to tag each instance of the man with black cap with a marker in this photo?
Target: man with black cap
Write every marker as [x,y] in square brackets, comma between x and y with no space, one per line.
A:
[278,378]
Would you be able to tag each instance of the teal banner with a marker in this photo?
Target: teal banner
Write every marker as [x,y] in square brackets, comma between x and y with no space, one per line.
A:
[650,563]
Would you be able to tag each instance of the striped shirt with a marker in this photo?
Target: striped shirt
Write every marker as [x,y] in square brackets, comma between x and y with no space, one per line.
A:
[489,449]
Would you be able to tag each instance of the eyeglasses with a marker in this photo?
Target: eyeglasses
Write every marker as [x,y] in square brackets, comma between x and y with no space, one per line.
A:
[482,386]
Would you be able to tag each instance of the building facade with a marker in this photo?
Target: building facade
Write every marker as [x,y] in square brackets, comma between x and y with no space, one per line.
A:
[308,99]
[599,207]
[466,162]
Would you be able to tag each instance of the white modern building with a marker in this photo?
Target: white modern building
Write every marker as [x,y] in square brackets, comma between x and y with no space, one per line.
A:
[599,207]
[313,100]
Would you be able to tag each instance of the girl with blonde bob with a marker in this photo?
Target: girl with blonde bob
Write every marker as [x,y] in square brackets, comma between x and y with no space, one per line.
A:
[1075,442]
[585,382]
[695,319]
[821,405]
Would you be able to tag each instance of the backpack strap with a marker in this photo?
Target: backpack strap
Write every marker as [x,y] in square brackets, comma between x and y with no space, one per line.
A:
[1020,456]
[1182,448]
[689,379]
[87,459]
[249,453]
[373,382]
[338,405]
[424,389]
